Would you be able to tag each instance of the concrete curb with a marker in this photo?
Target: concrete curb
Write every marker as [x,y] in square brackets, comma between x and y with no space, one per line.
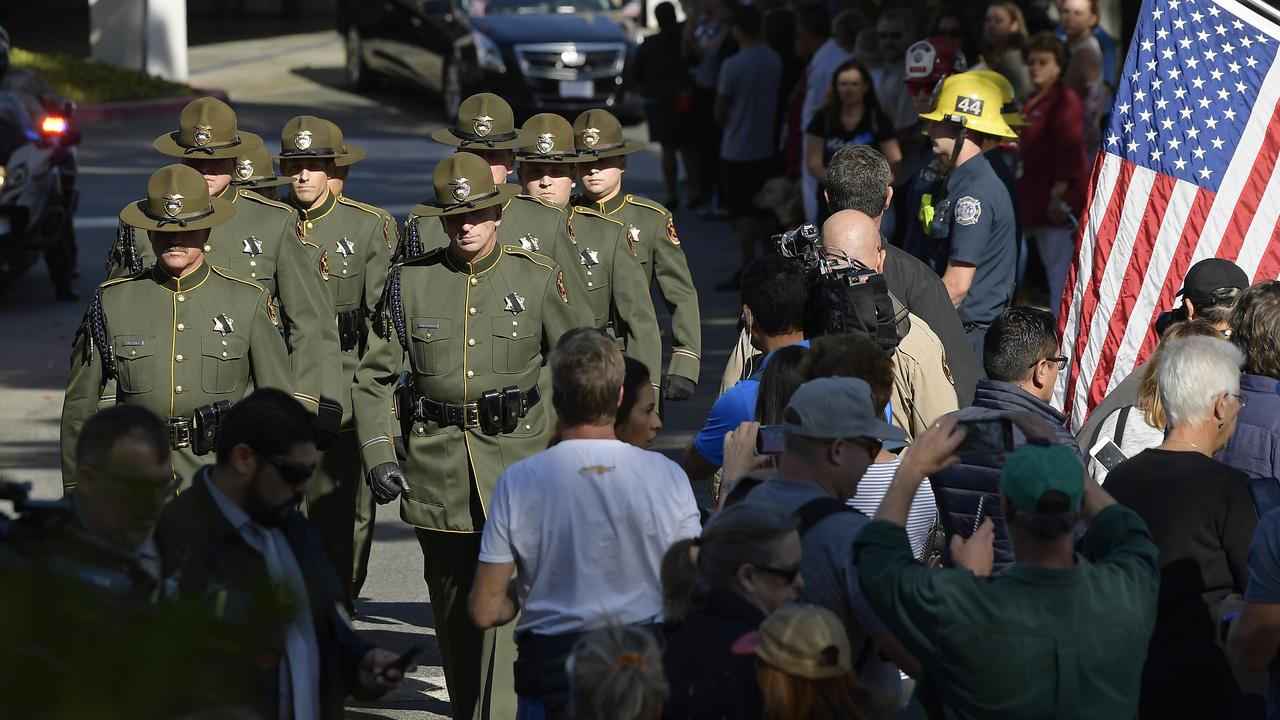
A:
[97,112]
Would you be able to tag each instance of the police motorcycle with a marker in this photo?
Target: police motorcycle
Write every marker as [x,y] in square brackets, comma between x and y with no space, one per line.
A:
[38,195]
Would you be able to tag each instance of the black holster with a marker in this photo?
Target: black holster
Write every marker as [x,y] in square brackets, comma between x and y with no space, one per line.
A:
[205,421]
[351,329]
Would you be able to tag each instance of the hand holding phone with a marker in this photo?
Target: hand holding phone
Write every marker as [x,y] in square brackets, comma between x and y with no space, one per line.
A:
[769,441]
[985,437]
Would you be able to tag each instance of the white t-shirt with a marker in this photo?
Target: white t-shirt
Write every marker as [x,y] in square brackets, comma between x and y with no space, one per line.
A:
[586,523]
[874,485]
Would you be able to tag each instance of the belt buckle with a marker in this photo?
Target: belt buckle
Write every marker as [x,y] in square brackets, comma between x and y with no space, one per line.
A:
[180,433]
[470,415]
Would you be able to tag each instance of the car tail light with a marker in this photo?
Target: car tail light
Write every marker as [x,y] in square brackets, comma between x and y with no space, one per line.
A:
[53,125]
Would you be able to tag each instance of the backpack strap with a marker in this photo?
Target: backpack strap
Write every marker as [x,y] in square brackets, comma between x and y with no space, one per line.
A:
[1121,422]
[816,510]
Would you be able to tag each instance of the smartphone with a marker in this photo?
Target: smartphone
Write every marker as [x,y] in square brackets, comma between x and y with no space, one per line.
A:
[406,659]
[1107,454]
[986,437]
[769,440]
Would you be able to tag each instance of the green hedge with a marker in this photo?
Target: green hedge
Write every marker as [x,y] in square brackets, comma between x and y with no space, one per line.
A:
[88,81]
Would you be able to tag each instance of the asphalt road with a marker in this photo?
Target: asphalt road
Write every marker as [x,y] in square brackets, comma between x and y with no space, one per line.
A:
[271,80]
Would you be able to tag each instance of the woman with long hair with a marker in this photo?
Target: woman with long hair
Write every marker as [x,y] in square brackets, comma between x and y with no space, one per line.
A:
[851,115]
[715,589]
[638,421]
[1004,31]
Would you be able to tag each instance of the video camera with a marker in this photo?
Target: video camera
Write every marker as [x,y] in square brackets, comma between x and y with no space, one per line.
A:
[845,296]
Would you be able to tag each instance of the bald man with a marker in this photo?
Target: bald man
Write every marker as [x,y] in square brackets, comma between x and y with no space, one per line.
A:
[923,389]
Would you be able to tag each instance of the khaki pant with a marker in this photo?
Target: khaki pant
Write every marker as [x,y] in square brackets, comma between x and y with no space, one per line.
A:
[478,664]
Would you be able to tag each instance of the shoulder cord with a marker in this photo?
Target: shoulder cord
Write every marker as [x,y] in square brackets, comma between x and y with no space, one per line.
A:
[391,308]
[99,336]
[124,251]
[411,244]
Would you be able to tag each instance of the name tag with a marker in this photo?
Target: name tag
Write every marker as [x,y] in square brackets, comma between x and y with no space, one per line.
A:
[428,326]
[134,343]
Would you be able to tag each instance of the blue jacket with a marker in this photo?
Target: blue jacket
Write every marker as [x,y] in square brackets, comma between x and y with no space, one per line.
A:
[958,488]
[1254,448]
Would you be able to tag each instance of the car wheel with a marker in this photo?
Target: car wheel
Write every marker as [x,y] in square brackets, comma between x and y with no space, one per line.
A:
[451,90]
[356,70]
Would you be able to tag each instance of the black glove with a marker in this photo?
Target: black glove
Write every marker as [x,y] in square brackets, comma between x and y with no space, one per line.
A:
[387,481]
[678,388]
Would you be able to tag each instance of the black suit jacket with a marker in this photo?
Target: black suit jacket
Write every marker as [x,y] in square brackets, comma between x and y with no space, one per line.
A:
[218,567]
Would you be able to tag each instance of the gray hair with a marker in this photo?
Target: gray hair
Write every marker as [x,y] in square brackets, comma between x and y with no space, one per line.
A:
[616,674]
[1194,372]
[858,179]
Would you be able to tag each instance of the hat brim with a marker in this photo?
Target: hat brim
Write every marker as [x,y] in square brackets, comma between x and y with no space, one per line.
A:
[167,144]
[938,116]
[563,159]
[747,644]
[133,216]
[445,136]
[262,182]
[626,148]
[879,430]
[307,155]
[506,191]
[354,154]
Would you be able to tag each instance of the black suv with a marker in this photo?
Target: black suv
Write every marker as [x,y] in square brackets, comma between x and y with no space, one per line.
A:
[541,56]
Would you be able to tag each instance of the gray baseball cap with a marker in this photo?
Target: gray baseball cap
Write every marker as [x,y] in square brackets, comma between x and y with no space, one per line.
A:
[836,407]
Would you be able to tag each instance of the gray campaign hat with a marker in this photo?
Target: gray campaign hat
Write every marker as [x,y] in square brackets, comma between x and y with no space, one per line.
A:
[836,407]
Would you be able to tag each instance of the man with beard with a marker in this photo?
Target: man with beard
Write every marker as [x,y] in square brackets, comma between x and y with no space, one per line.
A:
[238,537]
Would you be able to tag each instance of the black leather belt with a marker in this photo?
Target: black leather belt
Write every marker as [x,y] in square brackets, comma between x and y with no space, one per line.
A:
[496,412]
[351,329]
[200,431]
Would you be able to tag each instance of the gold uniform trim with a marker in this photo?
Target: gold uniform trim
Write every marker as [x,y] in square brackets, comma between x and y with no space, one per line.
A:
[511,250]
[682,351]
[357,205]
[640,203]
[578,210]
[255,197]
[542,202]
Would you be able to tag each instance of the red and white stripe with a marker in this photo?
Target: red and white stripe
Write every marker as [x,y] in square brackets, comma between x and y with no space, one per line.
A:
[1141,232]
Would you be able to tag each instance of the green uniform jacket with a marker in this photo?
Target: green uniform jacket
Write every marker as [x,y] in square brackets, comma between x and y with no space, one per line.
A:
[355,244]
[533,225]
[260,244]
[616,290]
[652,232]
[178,344]
[471,327]
[1033,642]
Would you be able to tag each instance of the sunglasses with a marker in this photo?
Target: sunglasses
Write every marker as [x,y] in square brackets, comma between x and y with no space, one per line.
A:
[293,473]
[789,576]
[135,491]
[871,445]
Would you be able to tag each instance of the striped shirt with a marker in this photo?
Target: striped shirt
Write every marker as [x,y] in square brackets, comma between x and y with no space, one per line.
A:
[871,491]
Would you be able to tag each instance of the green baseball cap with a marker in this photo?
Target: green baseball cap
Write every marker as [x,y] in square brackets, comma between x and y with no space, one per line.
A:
[1034,469]
[207,129]
[464,182]
[551,140]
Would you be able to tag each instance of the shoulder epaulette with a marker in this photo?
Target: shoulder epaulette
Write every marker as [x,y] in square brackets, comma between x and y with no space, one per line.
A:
[223,273]
[647,203]
[359,206]
[535,258]
[262,200]
[366,206]
[134,276]
[540,201]
[595,214]
[429,257]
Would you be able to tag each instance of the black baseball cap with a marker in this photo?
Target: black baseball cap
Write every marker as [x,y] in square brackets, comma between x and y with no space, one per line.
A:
[1212,274]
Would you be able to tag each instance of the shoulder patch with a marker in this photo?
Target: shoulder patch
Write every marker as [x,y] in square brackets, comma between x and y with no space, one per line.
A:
[531,257]
[359,206]
[223,273]
[671,232]
[568,226]
[648,204]
[271,311]
[324,265]
[262,200]
[564,292]
[968,210]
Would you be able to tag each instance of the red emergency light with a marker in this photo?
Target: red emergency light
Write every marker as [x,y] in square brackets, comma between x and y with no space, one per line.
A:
[53,125]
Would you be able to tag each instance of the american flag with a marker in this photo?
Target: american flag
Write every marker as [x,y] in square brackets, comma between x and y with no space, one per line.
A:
[1186,171]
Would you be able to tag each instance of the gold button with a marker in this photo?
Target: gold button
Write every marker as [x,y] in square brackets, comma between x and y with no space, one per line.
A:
[470,374]
[224,353]
[253,274]
[177,358]
[528,427]
[515,323]
[515,334]
[181,327]
[178,389]
[224,342]
[308,226]
[207,248]
[474,281]
[135,352]
[182,298]
[590,284]
[428,334]
[253,263]
[419,430]
[471,311]
[470,341]
[344,271]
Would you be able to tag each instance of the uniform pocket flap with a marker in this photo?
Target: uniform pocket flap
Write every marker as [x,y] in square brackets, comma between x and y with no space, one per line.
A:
[134,347]
[224,348]
[429,329]
[514,328]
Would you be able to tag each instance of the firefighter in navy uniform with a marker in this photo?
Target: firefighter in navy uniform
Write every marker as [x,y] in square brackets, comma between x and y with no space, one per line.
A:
[651,231]
[182,338]
[356,244]
[472,324]
[972,228]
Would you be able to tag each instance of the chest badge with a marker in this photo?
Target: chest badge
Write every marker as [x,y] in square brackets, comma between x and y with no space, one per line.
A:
[252,246]
[530,243]
[589,257]
[345,248]
[222,323]
[513,303]
[968,210]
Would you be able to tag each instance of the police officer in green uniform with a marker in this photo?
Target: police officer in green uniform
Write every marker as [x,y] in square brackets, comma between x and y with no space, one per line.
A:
[365,511]
[356,245]
[182,338]
[972,230]
[607,266]
[486,127]
[472,323]
[259,243]
[257,172]
[651,232]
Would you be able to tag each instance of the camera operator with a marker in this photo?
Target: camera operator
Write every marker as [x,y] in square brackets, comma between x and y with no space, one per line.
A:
[82,577]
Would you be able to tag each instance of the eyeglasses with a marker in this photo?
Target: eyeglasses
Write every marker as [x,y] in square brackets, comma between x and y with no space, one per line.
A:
[789,576]
[136,491]
[1242,399]
[1061,361]
[293,473]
